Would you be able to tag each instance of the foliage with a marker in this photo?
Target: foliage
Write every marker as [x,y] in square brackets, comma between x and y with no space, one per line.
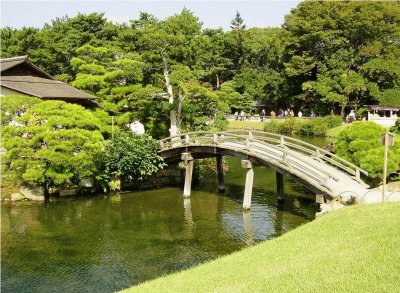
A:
[360,143]
[325,56]
[14,106]
[391,97]
[57,145]
[336,53]
[132,157]
[307,127]
[396,127]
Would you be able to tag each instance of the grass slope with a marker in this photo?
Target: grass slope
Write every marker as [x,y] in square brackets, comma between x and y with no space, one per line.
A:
[333,132]
[356,249]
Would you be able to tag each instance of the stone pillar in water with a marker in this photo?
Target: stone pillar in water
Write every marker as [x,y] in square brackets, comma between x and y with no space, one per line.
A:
[248,189]
[188,161]
[220,171]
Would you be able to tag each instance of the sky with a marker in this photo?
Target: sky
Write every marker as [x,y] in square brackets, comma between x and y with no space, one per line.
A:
[213,14]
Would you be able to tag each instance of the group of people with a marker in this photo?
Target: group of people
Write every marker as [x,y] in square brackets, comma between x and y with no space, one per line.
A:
[281,114]
[239,117]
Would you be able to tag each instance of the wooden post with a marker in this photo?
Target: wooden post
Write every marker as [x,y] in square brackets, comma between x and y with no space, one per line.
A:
[248,189]
[188,159]
[220,171]
[279,187]
[385,167]
[387,139]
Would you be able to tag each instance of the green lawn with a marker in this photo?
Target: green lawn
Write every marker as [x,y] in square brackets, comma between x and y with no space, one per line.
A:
[333,132]
[251,125]
[356,249]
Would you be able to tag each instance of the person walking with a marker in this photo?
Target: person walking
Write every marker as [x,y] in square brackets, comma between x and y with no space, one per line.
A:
[136,127]
[262,114]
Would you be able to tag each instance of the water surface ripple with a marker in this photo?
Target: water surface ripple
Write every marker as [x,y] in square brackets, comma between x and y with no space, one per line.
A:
[106,243]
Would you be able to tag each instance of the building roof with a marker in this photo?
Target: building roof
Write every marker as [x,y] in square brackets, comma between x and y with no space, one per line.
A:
[43,88]
[383,107]
[9,63]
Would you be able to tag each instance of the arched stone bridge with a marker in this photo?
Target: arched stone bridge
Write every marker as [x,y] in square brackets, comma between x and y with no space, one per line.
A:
[327,175]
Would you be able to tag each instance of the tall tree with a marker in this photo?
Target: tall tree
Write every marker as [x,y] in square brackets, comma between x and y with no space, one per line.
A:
[362,32]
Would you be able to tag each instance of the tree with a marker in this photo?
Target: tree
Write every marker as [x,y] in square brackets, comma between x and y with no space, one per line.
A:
[236,41]
[57,145]
[212,62]
[360,144]
[238,22]
[14,106]
[342,41]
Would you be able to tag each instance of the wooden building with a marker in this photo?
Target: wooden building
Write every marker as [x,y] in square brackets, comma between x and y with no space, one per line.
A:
[19,76]
[383,115]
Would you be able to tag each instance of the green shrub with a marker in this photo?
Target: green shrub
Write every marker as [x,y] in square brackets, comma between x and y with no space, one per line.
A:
[272,126]
[312,127]
[132,157]
[332,121]
[360,143]
[396,127]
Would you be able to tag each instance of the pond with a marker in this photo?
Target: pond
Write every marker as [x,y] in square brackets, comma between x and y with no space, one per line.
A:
[106,243]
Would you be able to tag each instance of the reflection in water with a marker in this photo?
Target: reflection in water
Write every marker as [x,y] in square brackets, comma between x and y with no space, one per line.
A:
[104,244]
[248,229]
[188,214]
[279,219]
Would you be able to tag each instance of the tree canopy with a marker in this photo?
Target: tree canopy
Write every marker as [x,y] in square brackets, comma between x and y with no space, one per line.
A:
[327,55]
[55,145]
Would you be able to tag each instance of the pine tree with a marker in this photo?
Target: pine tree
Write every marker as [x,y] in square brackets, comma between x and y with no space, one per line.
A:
[237,22]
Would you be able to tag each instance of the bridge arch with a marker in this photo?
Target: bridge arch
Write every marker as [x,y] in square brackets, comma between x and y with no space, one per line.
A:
[317,169]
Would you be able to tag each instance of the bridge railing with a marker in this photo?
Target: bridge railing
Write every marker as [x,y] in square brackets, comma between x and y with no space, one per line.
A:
[305,148]
[278,142]
[284,157]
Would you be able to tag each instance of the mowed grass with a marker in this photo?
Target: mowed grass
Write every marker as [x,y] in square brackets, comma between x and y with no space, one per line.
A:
[333,132]
[250,125]
[355,249]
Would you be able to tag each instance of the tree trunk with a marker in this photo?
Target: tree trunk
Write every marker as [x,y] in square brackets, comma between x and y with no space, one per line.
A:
[173,130]
[179,106]
[167,81]
[342,110]
[46,194]
[218,81]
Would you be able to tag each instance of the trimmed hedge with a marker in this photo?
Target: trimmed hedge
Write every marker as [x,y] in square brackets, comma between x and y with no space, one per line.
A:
[310,127]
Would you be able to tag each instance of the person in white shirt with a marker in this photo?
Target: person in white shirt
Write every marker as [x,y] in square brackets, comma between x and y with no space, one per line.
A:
[300,114]
[136,127]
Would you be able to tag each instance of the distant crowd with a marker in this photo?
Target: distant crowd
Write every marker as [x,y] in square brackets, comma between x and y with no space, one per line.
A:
[281,114]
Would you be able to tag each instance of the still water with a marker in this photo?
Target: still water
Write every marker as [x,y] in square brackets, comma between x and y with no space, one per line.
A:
[106,243]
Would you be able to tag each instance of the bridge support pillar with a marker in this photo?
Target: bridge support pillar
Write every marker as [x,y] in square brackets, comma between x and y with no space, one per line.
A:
[279,187]
[248,189]
[220,171]
[188,161]
[319,198]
